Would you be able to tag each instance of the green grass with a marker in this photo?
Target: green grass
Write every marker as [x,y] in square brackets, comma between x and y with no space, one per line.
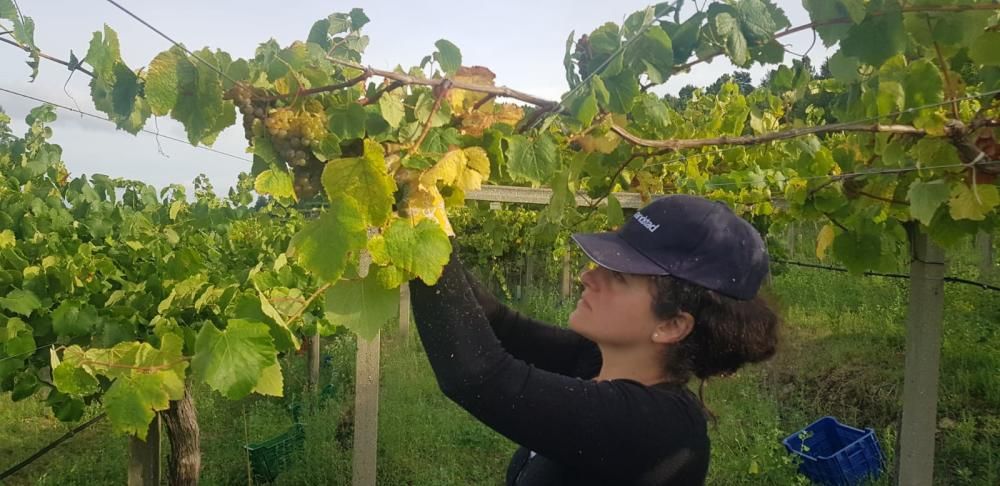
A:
[841,354]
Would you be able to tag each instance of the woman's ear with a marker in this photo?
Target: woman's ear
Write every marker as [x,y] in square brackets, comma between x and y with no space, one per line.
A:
[673,330]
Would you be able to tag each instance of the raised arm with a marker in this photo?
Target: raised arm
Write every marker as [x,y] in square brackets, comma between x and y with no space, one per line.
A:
[544,345]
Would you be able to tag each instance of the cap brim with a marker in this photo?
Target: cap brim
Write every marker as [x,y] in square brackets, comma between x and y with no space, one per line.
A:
[612,252]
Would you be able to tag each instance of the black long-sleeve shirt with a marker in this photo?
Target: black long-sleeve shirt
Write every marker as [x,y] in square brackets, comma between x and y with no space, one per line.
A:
[532,383]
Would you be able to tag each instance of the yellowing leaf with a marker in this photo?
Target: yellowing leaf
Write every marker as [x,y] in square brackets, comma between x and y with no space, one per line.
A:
[364,179]
[967,204]
[427,203]
[271,381]
[465,169]
[462,100]
[823,241]
[274,182]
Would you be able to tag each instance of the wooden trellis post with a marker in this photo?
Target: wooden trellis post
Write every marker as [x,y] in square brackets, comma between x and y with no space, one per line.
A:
[984,247]
[915,465]
[144,457]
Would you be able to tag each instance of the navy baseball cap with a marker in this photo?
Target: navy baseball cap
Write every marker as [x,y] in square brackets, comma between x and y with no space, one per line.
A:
[687,237]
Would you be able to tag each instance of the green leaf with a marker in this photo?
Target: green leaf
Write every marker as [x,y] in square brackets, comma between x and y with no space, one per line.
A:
[857,251]
[984,49]
[973,203]
[876,39]
[348,122]
[161,82]
[653,54]
[572,78]
[275,182]
[104,53]
[926,197]
[923,84]
[422,250]
[72,319]
[684,37]
[532,160]
[363,306]
[584,105]
[614,211]
[935,152]
[19,340]
[25,386]
[724,27]
[200,107]
[392,109]
[233,361]
[622,88]
[760,19]
[324,246]
[890,97]
[364,179]
[73,380]
[823,11]
[271,381]
[64,407]
[132,402]
[7,239]
[22,302]
[844,68]
[424,110]
[448,56]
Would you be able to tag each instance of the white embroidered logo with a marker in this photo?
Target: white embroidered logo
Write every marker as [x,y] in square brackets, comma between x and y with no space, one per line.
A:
[646,222]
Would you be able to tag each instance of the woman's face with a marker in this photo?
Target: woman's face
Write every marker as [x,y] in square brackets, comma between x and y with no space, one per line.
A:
[615,309]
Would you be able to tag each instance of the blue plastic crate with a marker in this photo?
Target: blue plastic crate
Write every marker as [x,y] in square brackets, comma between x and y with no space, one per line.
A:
[834,454]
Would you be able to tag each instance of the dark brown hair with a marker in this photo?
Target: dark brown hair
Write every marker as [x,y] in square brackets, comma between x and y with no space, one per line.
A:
[727,332]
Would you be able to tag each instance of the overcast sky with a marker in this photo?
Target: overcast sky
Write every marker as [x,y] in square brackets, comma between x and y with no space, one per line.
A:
[521,41]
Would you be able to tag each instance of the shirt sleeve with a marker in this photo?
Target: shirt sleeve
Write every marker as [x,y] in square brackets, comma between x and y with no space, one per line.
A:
[607,426]
[546,346]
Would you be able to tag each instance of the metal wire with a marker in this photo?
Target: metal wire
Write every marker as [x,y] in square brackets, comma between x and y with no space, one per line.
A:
[168,137]
[178,44]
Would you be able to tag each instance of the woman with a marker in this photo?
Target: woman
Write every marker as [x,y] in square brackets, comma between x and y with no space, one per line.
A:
[673,294]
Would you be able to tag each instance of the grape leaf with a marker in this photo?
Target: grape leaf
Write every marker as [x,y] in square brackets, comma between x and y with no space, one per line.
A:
[104,53]
[984,49]
[362,306]
[824,240]
[532,160]
[876,39]
[17,338]
[364,179]
[465,169]
[22,302]
[161,82]
[325,244]
[926,197]
[422,249]
[614,211]
[392,109]
[271,381]
[448,56]
[857,251]
[923,84]
[132,402]
[275,182]
[232,361]
[823,11]
[972,203]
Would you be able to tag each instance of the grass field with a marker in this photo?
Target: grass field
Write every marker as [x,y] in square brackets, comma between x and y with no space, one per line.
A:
[841,354]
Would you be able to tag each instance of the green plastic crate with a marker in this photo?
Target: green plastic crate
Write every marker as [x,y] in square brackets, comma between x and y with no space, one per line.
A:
[274,455]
